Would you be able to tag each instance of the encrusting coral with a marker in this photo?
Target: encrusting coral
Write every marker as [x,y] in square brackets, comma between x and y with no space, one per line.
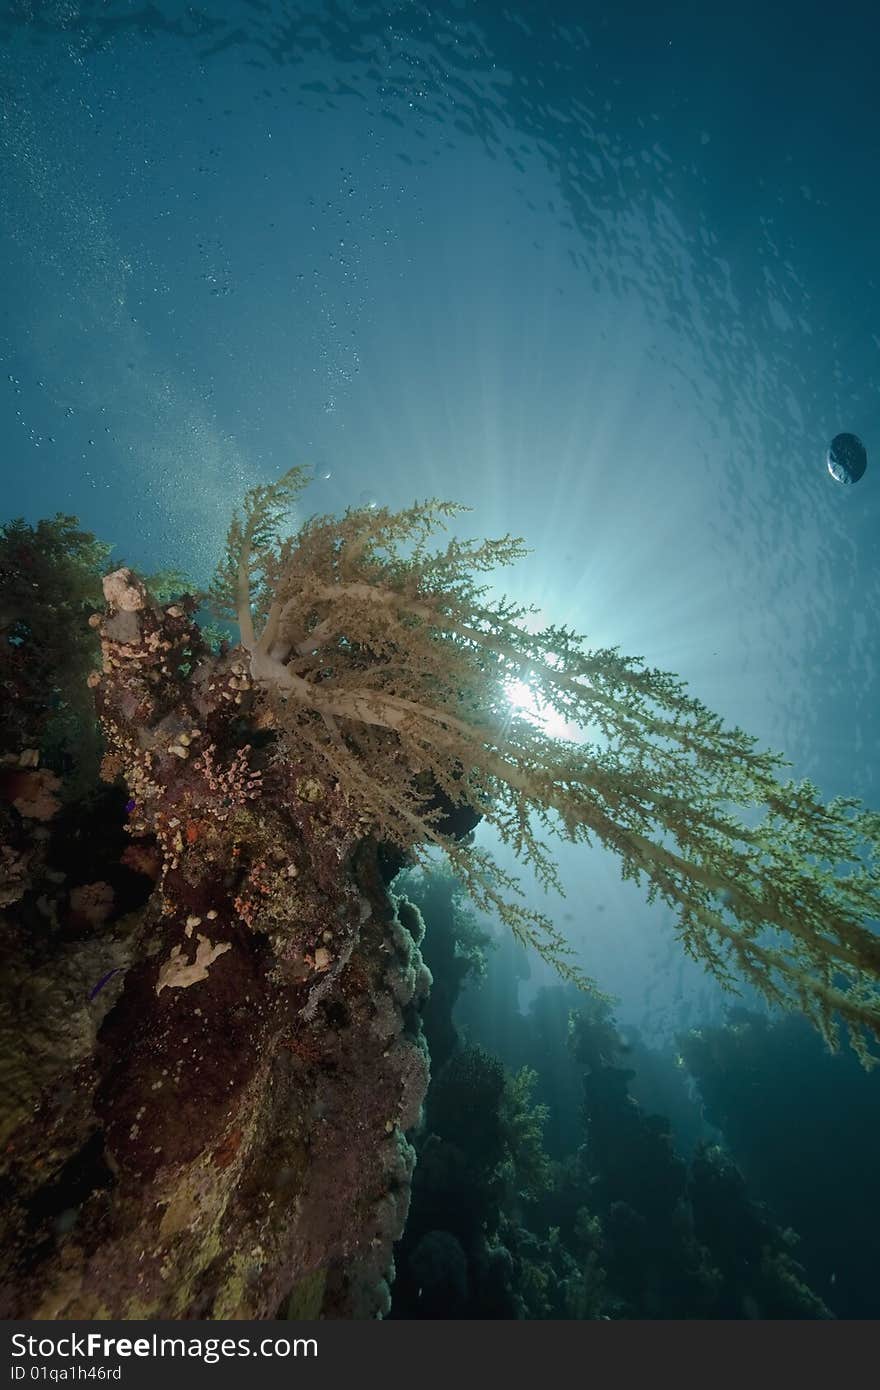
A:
[386,666]
[207,1080]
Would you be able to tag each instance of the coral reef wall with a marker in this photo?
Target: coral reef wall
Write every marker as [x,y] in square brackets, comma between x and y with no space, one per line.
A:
[207,1095]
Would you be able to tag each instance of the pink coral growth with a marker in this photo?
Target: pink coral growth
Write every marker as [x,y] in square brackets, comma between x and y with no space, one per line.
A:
[144,858]
[93,901]
[231,786]
[33,795]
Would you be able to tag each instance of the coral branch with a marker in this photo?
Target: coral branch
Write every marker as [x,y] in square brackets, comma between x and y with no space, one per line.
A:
[390,664]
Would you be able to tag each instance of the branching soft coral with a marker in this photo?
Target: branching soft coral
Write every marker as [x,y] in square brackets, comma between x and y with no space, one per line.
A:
[387,664]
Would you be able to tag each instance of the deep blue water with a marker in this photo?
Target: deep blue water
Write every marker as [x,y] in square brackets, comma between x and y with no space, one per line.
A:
[606,274]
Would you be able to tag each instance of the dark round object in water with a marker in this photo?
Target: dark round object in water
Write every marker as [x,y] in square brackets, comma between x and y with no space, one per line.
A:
[847,458]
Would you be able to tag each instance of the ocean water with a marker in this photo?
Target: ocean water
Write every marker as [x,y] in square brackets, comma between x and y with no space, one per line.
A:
[606,274]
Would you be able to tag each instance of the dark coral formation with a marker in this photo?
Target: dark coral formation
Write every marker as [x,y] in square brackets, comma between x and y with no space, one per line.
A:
[215,1124]
[804,1127]
[616,1223]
